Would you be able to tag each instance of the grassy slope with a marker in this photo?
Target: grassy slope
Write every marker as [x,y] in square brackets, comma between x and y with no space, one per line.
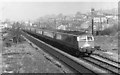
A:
[107,42]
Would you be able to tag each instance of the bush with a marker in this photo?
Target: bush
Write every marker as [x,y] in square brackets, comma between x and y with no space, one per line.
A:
[106,32]
[110,31]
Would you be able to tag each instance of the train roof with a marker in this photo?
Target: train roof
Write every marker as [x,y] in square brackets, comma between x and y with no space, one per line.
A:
[73,32]
[82,32]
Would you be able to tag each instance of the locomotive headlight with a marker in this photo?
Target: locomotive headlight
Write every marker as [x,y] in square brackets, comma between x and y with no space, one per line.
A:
[86,45]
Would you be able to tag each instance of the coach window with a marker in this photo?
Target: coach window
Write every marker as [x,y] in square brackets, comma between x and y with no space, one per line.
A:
[58,36]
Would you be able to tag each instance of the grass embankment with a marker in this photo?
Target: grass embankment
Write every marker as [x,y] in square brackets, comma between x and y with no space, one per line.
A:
[109,43]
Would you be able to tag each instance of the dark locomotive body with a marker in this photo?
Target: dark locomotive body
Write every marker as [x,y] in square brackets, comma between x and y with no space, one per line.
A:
[75,43]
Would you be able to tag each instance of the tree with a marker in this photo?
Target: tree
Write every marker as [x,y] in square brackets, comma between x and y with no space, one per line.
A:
[60,15]
[78,14]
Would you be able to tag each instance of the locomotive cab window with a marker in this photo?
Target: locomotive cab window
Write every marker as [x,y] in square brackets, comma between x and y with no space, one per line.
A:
[81,38]
[90,38]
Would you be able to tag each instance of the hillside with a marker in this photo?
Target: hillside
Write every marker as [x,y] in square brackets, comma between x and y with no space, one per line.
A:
[113,11]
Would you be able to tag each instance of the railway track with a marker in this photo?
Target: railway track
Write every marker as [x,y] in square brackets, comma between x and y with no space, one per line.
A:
[112,63]
[98,55]
[102,63]
[77,63]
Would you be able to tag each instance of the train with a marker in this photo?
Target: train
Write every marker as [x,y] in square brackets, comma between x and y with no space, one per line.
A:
[73,42]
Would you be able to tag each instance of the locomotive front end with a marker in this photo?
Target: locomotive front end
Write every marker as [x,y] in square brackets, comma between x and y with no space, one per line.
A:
[86,44]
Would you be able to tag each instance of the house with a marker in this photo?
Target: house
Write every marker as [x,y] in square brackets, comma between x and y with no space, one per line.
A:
[85,25]
[62,27]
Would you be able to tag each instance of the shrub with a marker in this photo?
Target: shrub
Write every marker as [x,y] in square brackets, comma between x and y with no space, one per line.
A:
[110,31]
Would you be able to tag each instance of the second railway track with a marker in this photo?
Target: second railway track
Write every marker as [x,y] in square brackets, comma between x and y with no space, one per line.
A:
[75,63]
[106,60]
[98,55]
[109,66]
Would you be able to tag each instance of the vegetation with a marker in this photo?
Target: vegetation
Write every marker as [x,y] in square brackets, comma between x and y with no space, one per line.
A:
[111,30]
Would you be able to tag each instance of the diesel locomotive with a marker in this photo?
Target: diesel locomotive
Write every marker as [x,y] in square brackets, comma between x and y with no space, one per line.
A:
[75,42]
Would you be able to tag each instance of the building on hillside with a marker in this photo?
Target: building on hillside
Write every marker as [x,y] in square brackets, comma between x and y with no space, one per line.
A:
[85,25]
[61,27]
[115,17]
[3,25]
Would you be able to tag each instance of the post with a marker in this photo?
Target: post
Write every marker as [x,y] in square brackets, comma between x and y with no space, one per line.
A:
[39,24]
[92,11]
[92,26]
[55,23]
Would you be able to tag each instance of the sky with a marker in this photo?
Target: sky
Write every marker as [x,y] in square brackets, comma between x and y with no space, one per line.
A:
[31,10]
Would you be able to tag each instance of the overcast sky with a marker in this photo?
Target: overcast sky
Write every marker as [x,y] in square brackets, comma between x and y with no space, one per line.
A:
[33,10]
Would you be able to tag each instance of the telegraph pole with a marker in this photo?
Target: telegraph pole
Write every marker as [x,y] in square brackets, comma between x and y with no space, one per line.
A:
[92,14]
[55,23]
[92,26]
